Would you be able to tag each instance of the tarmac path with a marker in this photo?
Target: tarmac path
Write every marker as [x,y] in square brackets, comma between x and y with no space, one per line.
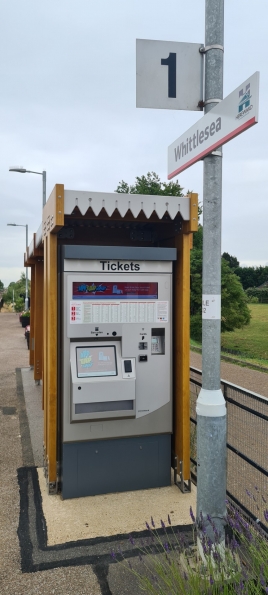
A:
[252,380]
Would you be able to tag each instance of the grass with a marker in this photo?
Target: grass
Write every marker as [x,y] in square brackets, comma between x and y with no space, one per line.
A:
[250,343]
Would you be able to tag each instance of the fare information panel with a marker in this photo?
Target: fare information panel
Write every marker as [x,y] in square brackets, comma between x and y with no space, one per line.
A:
[84,311]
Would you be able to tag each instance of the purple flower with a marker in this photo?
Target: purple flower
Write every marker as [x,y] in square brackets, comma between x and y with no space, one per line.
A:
[169,521]
[192,514]
[266,515]
[204,546]
[234,544]
[163,524]
[147,526]
[216,556]
[152,522]
[113,555]
[166,547]
[248,493]
[211,580]
[264,500]
[131,539]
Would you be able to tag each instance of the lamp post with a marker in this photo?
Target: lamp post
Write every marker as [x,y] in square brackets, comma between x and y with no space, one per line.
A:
[26,288]
[22,170]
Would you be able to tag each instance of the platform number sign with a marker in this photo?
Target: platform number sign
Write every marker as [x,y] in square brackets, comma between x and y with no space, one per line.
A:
[170,62]
[169,75]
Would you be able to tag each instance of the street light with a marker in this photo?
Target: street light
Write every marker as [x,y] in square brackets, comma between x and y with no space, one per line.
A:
[26,288]
[22,170]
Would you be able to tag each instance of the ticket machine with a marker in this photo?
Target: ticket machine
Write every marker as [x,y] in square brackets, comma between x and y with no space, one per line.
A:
[116,368]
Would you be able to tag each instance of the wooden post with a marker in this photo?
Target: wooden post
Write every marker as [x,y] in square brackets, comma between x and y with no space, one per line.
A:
[38,320]
[181,353]
[32,317]
[50,358]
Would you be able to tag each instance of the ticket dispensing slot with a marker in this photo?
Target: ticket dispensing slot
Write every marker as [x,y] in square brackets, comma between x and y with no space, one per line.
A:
[102,382]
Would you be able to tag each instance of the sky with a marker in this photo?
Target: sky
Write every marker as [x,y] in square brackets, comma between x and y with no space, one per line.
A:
[68,106]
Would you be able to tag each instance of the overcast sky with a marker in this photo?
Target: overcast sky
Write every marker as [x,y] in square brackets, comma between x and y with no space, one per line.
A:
[67,106]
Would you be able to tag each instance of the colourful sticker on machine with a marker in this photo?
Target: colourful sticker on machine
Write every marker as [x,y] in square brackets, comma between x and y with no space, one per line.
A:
[99,360]
[85,359]
[111,290]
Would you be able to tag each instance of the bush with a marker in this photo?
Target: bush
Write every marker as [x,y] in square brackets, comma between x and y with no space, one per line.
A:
[173,565]
[260,294]
[19,305]
[253,300]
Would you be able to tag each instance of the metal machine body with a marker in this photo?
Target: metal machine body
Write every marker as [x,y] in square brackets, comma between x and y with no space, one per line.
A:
[116,368]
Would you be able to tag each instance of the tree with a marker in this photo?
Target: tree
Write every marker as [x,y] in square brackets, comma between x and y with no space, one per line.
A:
[232,260]
[150,184]
[1,285]
[235,312]
[252,276]
[19,290]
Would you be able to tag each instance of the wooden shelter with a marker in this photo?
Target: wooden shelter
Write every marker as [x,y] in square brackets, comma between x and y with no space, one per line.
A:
[90,218]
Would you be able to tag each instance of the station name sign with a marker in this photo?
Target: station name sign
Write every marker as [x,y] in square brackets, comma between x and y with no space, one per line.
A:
[234,114]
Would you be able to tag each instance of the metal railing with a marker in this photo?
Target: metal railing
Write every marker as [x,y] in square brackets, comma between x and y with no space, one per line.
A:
[247,446]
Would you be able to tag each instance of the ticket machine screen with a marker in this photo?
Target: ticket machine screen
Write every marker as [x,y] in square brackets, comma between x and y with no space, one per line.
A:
[96,361]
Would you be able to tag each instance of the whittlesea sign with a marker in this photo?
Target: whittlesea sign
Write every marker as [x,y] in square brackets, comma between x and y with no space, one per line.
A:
[234,114]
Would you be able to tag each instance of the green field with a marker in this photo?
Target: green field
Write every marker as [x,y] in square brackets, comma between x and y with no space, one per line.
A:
[250,342]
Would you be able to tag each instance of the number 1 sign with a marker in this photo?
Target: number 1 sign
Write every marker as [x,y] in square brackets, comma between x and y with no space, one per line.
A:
[169,75]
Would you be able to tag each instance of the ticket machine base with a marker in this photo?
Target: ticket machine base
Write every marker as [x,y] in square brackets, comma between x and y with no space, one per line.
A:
[124,464]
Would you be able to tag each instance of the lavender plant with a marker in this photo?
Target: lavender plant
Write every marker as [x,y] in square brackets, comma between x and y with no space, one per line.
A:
[170,565]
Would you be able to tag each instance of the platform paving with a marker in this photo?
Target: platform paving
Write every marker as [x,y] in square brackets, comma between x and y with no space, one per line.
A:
[69,554]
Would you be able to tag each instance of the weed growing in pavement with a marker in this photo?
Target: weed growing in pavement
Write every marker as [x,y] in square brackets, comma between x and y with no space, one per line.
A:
[169,565]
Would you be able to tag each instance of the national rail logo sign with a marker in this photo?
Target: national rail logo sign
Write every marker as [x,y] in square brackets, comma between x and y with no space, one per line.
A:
[244,105]
[217,127]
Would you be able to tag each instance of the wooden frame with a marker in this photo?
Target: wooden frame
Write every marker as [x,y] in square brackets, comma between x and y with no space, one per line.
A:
[46,305]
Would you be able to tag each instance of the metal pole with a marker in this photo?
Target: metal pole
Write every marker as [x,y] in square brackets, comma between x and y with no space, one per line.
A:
[26,292]
[211,408]
[44,174]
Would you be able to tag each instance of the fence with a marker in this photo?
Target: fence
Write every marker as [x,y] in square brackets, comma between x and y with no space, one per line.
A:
[247,446]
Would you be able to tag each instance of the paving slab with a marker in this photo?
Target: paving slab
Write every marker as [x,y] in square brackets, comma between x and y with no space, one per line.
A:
[112,514]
